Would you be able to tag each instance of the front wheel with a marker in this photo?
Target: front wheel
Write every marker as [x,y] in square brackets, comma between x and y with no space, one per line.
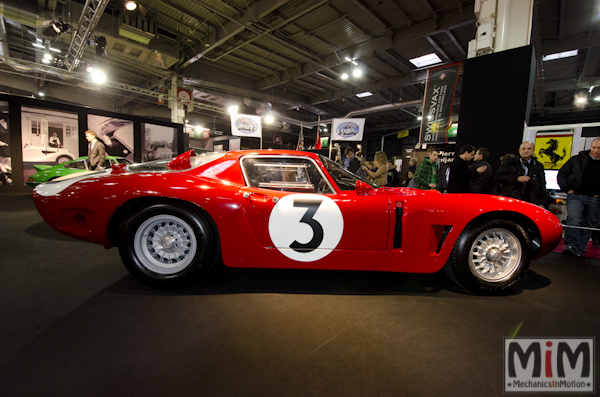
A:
[164,245]
[490,258]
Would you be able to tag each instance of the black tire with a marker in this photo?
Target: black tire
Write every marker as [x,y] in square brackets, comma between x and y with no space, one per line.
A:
[501,246]
[167,246]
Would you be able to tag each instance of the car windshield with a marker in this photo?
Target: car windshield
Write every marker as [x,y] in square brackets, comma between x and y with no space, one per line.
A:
[344,179]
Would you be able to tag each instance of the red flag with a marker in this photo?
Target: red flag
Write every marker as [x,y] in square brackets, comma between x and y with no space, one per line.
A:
[300,145]
[318,141]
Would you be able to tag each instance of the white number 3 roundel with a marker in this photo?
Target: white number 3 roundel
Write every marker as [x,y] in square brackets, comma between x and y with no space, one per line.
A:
[306,227]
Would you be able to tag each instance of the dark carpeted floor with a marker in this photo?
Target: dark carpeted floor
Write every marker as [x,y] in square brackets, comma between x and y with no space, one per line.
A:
[74,323]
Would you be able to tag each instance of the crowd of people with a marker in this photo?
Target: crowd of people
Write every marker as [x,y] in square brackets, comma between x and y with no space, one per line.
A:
[521,177]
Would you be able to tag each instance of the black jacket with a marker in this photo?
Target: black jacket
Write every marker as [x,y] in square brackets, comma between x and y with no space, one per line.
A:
[460,176]
[511,169]
[482,183]
[569,175]
[354,165]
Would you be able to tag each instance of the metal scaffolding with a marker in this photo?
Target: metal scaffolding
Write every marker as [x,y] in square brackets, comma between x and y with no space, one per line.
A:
[92,11]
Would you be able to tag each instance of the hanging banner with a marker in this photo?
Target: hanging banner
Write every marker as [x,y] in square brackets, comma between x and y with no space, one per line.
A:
[246,125]
[437,107]
[347,129]
[553,148]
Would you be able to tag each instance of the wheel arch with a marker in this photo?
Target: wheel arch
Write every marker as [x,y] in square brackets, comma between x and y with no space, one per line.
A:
[132,206]
[526,223]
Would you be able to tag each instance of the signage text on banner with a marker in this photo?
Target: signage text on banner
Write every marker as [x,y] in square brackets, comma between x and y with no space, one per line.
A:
[246,125]
[437,108]
[347,129]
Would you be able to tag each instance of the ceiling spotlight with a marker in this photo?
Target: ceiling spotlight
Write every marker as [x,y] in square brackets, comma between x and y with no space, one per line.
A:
[41,94]
[344,76]
[38,45]
[130,5]
[269,118]
[100,45]
[98,77]
[47,56]
[233,109]
[89,69]
[419,118]
[357,73]
[45,60]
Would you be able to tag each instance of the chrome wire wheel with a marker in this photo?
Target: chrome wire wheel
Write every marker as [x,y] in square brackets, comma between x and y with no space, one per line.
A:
[165,244]
[495,255]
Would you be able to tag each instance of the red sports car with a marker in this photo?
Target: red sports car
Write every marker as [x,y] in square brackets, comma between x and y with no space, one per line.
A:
[172,220]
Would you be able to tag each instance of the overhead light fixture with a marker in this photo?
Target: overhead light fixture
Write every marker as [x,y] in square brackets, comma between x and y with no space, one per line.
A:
[38,45]
[47,56]
[558,55]
[269,118]
[98,77]
[130,5]
[100,45]
[233,109]
[56,28]
[357,72]
[595,93]
[45,60]
[364,94]
[425,60]
[344,76]
[53,49]
[419,118]
[199,128]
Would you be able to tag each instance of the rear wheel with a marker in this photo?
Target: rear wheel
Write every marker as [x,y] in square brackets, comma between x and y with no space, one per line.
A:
[164,245]
[490,258]
[63,159]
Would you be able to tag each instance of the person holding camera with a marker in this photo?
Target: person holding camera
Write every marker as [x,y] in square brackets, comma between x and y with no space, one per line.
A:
[522,177]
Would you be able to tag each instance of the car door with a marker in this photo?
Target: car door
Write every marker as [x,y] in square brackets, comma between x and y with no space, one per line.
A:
[305,214]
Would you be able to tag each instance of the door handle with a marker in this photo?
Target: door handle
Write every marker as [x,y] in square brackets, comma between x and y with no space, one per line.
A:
[258,197]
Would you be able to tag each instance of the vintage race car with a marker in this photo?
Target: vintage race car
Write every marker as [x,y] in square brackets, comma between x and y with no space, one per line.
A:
[47,173]
[172,220]
[46,154]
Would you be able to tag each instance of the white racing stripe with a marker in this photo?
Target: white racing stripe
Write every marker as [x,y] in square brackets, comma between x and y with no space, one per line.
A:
[58,185]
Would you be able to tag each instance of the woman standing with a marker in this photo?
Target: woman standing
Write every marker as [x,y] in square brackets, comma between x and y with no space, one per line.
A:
[379,176]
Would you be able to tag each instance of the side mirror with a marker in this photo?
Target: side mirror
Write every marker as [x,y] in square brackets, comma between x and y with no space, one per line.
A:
[362,188]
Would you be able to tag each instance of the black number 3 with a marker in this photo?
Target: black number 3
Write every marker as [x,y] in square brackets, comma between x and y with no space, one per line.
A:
[312,207]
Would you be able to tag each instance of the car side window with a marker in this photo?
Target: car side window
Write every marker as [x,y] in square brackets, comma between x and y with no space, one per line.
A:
[76,165]
[288,174]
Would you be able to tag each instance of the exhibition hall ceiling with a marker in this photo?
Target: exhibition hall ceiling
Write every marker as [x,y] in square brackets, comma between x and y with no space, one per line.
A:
[288,57]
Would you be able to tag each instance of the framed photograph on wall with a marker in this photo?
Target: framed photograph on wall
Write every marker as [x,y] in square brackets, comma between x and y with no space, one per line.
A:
[158,142]
[49,137]
[5,161]
[116,134]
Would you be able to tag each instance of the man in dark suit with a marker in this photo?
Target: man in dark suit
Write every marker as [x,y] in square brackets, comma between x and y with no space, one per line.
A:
[351,162]
[96,151]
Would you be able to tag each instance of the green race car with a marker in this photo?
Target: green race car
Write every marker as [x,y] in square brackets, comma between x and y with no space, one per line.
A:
[47,173]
